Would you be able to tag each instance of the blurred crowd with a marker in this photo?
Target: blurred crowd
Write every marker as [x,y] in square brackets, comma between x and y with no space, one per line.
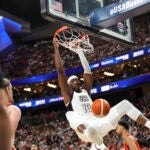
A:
[50,131]
[121,72]
[37,58]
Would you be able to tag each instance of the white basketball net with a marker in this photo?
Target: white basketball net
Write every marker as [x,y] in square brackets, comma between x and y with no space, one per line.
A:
[75,41]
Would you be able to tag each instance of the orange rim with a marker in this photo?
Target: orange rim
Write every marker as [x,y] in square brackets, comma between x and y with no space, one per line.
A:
[64,28]
[84,36]
[60,30]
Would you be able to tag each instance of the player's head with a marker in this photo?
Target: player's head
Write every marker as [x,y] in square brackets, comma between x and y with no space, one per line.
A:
[121,127]
[7,87]
[74,83]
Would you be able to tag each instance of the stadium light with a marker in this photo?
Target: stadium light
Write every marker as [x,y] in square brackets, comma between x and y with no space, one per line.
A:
[108,74]
[27,89]
[51,85]
[81,79]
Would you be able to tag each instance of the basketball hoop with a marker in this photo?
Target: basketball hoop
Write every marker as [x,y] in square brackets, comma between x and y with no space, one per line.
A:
[73,40]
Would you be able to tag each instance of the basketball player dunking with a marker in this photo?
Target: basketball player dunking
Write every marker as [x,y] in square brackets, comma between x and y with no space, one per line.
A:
[14,112]
[78,101]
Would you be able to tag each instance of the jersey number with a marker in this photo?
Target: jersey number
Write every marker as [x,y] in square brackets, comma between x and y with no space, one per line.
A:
[86,107]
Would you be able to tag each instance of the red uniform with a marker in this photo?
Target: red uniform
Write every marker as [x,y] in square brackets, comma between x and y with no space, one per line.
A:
[127,148]
[13,148]
[8,103]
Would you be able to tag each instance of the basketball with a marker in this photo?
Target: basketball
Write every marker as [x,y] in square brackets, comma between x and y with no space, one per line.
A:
[100,108]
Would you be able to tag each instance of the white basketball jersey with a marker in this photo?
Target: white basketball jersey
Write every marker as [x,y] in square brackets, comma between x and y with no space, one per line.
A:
[81,103]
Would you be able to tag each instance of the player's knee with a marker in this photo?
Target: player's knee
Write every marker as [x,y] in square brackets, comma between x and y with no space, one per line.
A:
[126,103]
[81,128]
[123,107]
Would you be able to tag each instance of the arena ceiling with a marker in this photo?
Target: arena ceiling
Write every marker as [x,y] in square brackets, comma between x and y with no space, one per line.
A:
[29,10]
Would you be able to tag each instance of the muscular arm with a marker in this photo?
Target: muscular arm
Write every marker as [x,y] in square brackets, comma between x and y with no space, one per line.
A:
[88,79]
[65,89]
[131,143]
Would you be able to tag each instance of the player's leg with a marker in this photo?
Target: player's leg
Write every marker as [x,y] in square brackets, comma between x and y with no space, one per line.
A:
[77,124]
[126,108]
[93,135]
[84,130]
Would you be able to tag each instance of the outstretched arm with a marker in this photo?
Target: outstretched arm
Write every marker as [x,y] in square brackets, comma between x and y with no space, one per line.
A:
[65,89]
[88,79]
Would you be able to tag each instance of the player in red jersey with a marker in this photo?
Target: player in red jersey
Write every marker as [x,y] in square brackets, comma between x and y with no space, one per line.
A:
[5,130]
[13,112]
[130,142]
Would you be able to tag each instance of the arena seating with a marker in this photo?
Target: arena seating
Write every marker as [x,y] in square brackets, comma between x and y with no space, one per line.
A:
[50,130]
[36,58]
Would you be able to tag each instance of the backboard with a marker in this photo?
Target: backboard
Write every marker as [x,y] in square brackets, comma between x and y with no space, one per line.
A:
[77,14]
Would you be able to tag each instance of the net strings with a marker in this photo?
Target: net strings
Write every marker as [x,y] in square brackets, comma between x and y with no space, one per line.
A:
[74,41]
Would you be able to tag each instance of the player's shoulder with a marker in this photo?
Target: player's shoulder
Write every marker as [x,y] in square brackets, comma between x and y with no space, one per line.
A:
[131,136]
[130,139]
[83,90]
[14,108]
[14,114]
